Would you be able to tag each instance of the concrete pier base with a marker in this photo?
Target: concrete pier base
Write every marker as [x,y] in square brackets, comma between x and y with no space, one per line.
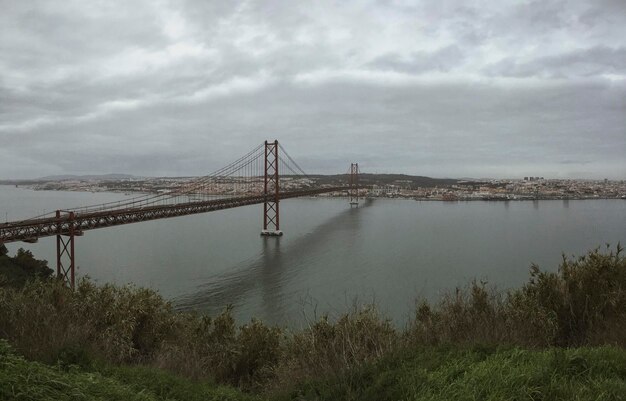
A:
[271,233]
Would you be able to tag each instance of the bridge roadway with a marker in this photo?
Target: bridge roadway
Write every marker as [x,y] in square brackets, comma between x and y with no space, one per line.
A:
[31,230]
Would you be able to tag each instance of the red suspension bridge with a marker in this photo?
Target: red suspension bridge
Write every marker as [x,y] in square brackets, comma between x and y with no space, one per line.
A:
[254,178]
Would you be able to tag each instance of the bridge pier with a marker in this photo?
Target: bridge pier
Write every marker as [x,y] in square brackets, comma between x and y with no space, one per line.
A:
[271,191]
[354,184]
[66,256]
[270,233]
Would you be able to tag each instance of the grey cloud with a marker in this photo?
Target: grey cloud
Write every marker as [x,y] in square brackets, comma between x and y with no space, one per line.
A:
[36,36]
[440,60]
[603,12]
[580,63]
[578,162]
[542,15]
[422,129]
[181,87]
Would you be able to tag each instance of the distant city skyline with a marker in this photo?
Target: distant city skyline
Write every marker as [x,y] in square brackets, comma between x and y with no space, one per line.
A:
[440,89]
[123,176]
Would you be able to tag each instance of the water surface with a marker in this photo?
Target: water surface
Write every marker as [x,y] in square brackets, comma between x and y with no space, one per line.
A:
[387,251]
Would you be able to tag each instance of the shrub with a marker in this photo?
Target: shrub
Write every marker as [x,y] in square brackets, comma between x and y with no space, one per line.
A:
[586,298]
[584,302]
[335,349]
[217,348]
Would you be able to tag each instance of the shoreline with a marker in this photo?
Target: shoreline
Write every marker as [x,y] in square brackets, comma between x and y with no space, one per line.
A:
[418,199]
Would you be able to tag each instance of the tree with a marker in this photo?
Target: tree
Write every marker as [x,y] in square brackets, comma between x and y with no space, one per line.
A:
[22,267]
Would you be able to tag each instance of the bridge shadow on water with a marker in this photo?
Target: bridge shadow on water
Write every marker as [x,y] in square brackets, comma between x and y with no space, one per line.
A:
[271,271]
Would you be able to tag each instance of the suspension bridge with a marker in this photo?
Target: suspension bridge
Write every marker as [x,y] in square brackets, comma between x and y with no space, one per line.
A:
[254,178]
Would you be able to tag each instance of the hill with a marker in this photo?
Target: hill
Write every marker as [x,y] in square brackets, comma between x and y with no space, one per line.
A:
[92,177]
[389,179]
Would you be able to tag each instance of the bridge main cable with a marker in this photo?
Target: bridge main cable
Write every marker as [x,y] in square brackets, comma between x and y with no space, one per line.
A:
[150,199]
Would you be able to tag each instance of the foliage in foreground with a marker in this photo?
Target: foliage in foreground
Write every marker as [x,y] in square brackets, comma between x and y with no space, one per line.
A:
[582,304]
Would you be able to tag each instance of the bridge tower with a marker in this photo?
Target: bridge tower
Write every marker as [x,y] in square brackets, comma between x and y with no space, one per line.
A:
[271,191]
[354,184]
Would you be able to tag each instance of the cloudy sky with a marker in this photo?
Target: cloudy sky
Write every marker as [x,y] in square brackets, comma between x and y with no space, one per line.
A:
[444,88]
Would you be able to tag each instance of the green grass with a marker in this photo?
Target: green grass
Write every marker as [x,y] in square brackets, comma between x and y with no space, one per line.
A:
[439,373]
[427,373]
[25,380]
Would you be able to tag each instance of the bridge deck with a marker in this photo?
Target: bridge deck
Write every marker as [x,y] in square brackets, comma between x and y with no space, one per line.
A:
[31,230]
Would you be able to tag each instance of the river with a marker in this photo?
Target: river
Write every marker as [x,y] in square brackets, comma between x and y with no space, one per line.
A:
[387,251]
